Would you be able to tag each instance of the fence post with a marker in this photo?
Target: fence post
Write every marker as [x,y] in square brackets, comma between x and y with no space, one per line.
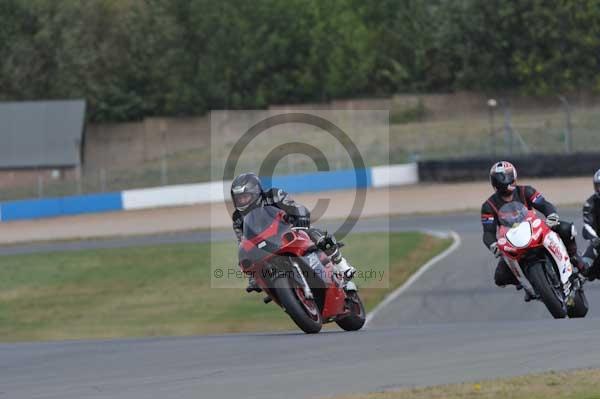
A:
[164,179]
[492,103]
[568,124]
[78,179]
[508,136]
[164,167]
[40,184]
[103,180]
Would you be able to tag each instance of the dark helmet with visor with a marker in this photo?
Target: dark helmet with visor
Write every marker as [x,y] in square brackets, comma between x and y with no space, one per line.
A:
[246,192]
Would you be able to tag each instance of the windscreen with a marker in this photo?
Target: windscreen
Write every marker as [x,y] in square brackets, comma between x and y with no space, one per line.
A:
[258,220]
[512,213]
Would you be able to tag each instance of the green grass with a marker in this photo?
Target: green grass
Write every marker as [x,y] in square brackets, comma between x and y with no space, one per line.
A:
[580,384]
[163,290]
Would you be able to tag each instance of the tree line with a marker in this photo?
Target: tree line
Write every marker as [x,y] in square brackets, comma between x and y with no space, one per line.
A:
[135,58]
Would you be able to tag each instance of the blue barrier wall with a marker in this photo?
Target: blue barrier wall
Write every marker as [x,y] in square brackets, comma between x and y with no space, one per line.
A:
[52,207]
[300,183]
[321,181]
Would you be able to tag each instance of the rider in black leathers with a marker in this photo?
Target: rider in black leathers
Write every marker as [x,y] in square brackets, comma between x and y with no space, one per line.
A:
[247,194]
[591,229]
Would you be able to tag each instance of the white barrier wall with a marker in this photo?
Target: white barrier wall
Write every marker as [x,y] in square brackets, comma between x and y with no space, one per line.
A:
[202,193]
[394,175]
[185,194]
[189,194]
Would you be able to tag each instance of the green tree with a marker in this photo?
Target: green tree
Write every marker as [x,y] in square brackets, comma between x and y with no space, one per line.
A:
[560,46]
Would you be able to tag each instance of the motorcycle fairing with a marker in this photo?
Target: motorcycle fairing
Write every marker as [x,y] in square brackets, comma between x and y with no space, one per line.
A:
[331,301]
[515,267]
[558,251]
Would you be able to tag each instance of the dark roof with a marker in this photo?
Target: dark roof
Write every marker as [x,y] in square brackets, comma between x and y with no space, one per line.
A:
[41,133]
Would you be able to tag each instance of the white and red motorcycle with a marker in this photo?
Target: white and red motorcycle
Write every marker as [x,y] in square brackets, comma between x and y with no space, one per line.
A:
[539,260]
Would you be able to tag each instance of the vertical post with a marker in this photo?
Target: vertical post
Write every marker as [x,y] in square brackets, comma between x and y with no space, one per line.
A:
[106,161]
[164,179]
[508,136]
[78,150]
[40,184]
[568,125]
[78,179]
[164,167]
[103,180]
[492,103]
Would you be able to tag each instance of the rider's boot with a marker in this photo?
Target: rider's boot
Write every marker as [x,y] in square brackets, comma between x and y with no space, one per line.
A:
[591,272]
[528,296]
[331,247]
[343,268]
[341,265]
[252,286]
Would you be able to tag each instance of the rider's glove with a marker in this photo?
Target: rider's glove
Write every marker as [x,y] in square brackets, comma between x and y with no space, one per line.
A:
[596,243]
[552,220]
[495,250]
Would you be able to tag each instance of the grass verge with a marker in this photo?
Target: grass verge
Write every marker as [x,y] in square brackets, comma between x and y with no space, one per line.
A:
[579,384]
[163,290]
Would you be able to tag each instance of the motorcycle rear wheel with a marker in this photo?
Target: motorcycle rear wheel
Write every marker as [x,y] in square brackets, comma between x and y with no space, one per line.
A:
[550,295]
[304,312]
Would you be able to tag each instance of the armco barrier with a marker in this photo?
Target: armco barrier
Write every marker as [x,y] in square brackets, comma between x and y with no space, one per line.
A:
[532,165]
[211,192]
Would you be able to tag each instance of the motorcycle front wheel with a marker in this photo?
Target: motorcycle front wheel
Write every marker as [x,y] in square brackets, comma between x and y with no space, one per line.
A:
[357,317]
[303,311]
[580,307]
[549,289]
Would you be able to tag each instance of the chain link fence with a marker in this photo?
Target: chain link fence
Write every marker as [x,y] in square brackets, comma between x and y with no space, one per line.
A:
[160,152]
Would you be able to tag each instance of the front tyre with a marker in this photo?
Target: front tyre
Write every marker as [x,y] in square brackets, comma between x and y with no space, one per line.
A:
[549,289]
[357,317]
[304,312]
[580,307]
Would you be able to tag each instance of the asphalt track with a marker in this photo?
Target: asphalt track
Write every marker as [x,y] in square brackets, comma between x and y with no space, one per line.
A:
[451,325]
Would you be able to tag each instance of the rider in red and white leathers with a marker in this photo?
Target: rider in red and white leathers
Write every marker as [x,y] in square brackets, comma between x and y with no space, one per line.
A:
[503,177]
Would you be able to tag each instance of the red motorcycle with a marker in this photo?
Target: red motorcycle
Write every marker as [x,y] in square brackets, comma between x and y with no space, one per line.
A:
[539,260]
[295,274]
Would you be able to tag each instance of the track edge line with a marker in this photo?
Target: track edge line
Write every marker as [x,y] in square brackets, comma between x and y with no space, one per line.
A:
[412,279]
